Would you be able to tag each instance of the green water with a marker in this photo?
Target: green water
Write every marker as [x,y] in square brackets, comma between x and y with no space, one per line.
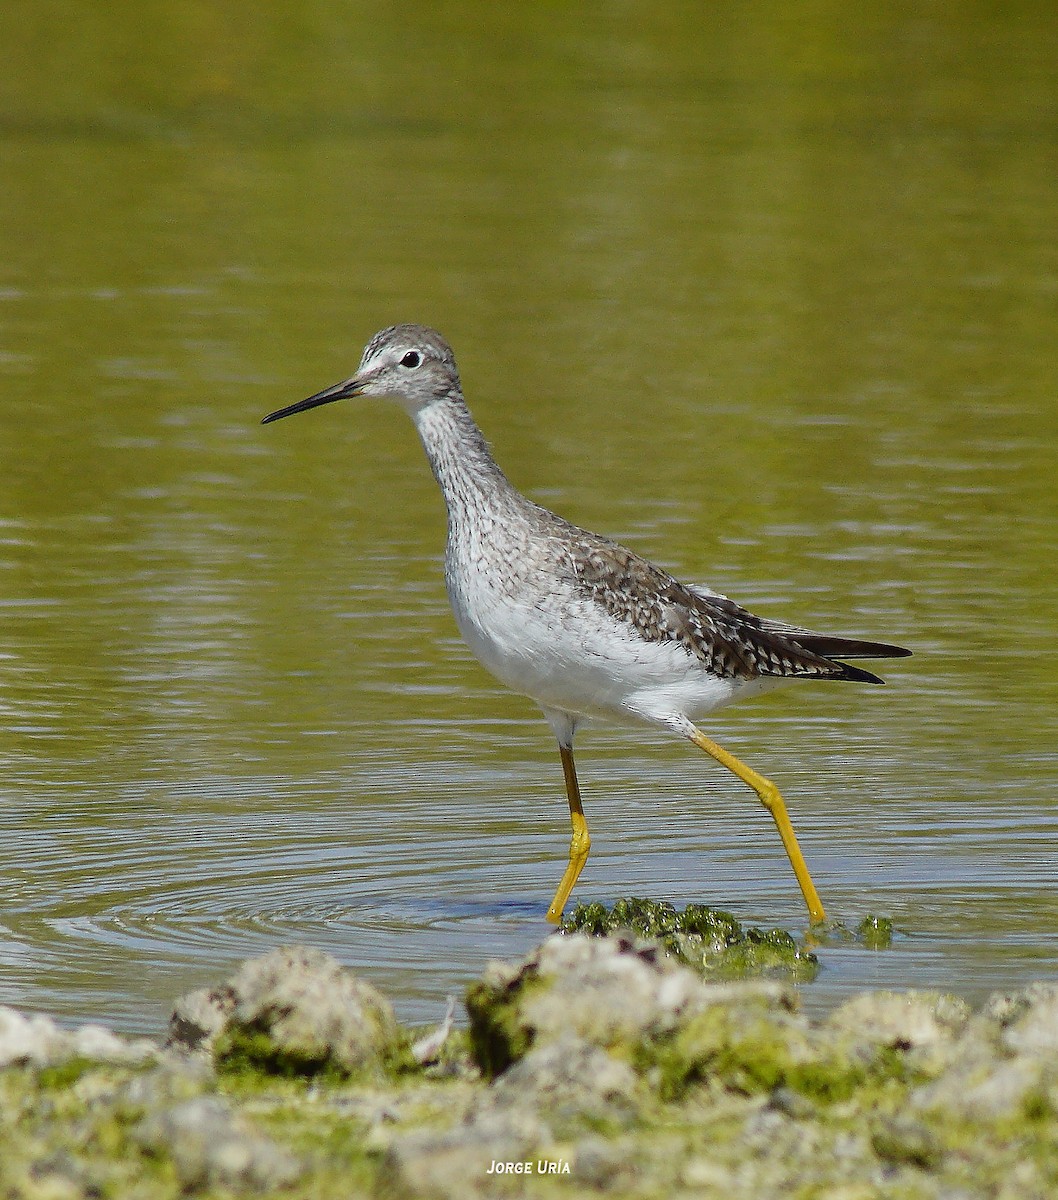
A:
[769,293]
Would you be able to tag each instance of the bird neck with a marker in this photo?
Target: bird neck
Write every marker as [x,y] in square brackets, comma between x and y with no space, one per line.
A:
[462,463]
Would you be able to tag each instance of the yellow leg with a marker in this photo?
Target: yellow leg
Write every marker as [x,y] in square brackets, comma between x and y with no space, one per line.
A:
[580,842]
[772,800]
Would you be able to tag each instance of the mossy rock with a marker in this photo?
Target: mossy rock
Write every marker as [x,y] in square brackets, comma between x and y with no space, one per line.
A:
[500,1033]
[617,993]
[708,940]
[295,1011]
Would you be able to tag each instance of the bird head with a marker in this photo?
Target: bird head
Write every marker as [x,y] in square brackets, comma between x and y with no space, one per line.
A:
[410,364]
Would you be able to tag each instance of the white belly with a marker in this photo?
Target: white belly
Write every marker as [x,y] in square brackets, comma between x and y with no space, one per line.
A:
[567,653]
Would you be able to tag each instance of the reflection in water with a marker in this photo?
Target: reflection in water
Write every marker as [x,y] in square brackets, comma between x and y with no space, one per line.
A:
[774,307]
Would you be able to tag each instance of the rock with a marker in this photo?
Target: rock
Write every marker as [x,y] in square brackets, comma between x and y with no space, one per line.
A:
[460,1162]
[612,992]
[210,1147]
[58,1176]
[601,1164]
[793,1104]
[99,1044]
[1028,1020]
[920,1026]
[901,1020]
[174,1080]
[979,1088]
[904,1139]
[569,1080]
[294,1011]
[198,1018]
[27,1040]
[703,1173]
[1005,1066]
[40,1042]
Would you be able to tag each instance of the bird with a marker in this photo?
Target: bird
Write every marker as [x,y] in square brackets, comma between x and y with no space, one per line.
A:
[589,630]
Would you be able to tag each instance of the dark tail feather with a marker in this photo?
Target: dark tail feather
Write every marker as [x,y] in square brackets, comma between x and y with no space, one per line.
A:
[855,674]
[836,648]
[840,647]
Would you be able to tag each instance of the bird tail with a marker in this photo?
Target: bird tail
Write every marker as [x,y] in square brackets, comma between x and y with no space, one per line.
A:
[841,647]
[837,648]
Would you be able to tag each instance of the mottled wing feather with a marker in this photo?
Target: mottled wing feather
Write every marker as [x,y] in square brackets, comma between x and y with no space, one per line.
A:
[730,641]
[825,644]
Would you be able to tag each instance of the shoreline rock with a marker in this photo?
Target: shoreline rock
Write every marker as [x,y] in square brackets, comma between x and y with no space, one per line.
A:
[595,1064]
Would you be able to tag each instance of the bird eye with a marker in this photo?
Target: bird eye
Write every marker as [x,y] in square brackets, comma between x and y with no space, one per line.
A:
[412,359]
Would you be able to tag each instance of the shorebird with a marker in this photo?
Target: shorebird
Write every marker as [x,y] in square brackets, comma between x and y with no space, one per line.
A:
[586,628]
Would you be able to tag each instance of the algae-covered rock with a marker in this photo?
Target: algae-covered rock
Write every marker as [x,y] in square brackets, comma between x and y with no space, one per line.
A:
[754,1042]
[199,1018]
[921,1026]
[1027,1020]
[210,1146]
[708,940]
[624,1073]
[606,991]
[65,1125]
[294,1011]
[628,997]
[1005,1065]
[614,992]
[570,1080]
[458,1162]
[872,1041]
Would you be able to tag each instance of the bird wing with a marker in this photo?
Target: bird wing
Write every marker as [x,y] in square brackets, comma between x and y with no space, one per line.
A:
[825,644]
[731,641]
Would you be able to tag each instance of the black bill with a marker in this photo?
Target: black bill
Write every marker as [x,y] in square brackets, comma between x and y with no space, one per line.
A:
[340,391]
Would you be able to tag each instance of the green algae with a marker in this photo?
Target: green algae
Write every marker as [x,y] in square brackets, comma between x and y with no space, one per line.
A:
[499,1034]
[759,1048]
[874,932]
[62,1075]
[242,1051]
[249,1049]
[708,940]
